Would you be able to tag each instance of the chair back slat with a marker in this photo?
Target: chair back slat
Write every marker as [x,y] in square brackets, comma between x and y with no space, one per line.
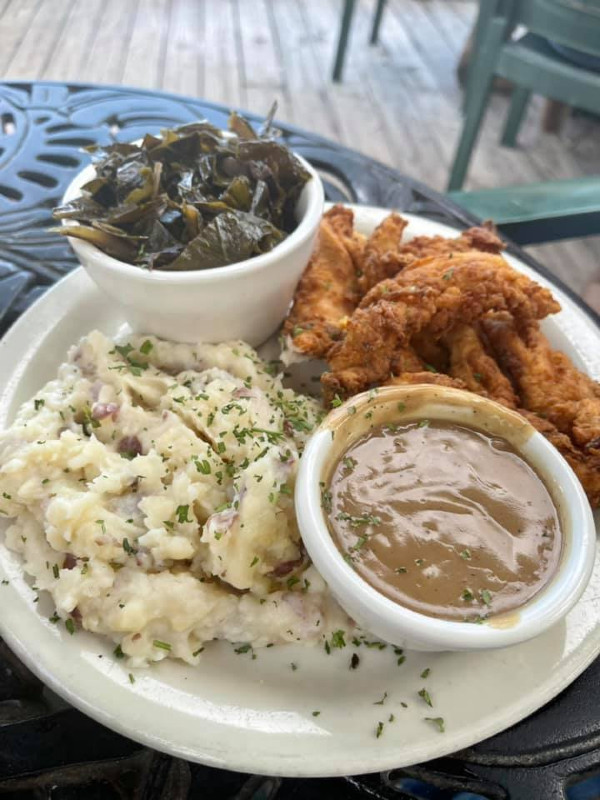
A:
[573,23]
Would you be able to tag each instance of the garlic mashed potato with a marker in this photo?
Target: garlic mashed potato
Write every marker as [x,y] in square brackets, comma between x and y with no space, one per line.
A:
[150,491]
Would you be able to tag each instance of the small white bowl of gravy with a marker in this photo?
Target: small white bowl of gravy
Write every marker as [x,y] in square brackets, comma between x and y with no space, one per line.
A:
[442,520]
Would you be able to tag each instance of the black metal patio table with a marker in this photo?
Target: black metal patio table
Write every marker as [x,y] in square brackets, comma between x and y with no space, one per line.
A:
[50,750]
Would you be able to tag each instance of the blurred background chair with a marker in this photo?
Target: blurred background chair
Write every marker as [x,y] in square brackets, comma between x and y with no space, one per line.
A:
[346,23]
[558,57]
[541,61]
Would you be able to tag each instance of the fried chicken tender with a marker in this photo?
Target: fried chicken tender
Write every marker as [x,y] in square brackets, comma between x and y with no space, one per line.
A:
[381,256]
[435,295]
[585,463]
[470,362]
[483,238]
[435,378]
[328,290]
[548,382]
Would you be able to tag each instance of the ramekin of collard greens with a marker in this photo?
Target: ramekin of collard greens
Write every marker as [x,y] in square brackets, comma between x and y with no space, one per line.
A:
[196,232]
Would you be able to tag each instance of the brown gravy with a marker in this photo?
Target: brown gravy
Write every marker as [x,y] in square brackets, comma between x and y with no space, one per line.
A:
[444,519]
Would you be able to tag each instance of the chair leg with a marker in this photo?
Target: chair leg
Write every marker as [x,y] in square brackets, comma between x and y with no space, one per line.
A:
[377,21]
[487,8]
[518,105]
[343,40]
[477,99]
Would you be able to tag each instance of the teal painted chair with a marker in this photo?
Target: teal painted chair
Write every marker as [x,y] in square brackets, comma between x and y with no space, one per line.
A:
[544,211]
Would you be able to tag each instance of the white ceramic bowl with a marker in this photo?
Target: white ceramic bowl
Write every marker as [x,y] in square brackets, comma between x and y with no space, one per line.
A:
[246,300]
[392,622]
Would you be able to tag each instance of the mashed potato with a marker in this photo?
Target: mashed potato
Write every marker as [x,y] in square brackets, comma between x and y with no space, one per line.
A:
[151,493]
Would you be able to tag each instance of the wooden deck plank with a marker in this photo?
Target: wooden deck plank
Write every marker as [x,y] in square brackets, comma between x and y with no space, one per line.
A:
[13,28]
[144,65]
[359,121]
[71,51]
[107,56]
[184,55]
[263,76]
[222,68]
[38,43]
[302,77]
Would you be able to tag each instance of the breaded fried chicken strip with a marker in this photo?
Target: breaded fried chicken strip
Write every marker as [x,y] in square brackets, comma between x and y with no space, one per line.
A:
[584,463]
[381,255]
[483,238]
[435,378]
[470,362]
[328,290]
[549,383]
[434,295]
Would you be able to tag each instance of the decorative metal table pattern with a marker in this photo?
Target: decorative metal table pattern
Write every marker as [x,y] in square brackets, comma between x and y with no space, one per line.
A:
[48,749]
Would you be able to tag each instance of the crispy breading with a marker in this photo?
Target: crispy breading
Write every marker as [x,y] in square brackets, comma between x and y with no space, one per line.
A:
[405,359]
[436,378]
[470,362]
[585,463]
[549,383]
[381,255]
[483,238]
[328,290]
[433,296]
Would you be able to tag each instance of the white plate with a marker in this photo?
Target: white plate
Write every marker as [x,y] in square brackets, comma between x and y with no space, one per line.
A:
[256,716]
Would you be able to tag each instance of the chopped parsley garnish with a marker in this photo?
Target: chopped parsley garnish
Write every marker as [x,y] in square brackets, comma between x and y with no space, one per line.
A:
[55,571]
[102,525]
[425,673]
[316,713]
[197,652]
[292,581]
[6,496]
[131,551]
[337,639]
[360,542]
[294,666]
[466,554]
[382,701]
[326,498]
[38,404]
[118,652]
[54,618]
[337,401]
[70,626]
[203,466]
[182,514]
[243,648]
[424,695]
[365,519]
[131,678]
[467,595]
[447,275]
[161,645]
[423,423]
[254,561]
[349,463]
[438,722]
[146,347]
[486,597]
[354,661]
[400,570]
[379,730]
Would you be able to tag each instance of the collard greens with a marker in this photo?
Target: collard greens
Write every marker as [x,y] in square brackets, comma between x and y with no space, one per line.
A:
[193,198]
